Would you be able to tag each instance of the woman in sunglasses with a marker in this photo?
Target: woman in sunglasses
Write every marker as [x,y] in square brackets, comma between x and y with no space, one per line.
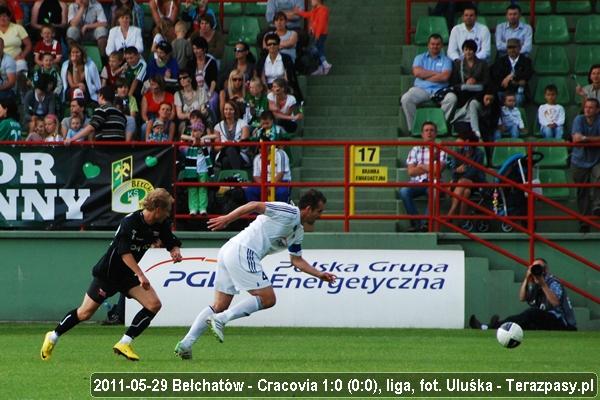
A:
[244,62]
[234,90]
[189,99]
[275,65]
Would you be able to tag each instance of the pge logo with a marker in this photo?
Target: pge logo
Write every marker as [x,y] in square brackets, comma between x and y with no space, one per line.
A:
[194,272]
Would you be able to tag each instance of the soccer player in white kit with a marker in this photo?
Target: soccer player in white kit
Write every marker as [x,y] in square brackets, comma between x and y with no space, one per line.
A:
[279,226]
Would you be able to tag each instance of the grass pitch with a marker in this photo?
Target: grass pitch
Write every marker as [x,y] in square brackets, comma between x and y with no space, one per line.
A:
[88,348]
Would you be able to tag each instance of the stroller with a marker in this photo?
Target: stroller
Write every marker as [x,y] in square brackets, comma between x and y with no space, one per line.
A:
[508,201]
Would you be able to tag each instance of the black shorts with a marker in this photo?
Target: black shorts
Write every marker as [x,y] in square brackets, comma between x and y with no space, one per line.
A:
[101,289]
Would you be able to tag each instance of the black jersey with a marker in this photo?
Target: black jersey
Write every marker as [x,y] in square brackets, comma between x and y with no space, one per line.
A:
[133,236]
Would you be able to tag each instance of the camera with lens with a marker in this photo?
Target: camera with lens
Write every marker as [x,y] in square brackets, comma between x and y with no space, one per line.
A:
[537,269]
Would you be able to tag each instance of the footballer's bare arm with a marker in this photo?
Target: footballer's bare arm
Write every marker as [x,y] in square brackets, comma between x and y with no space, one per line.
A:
[222,221]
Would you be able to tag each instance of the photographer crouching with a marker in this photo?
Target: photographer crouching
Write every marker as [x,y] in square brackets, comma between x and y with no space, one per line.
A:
[549,305]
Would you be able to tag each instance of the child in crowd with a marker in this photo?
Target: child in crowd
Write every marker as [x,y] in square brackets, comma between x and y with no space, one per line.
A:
[510,120]
[123,92]
[135,71]
[256,103]
[114,70]
[162,129]
[37,130]
[182,48]
[268,130]
[551,116]
[198,167]
[318,21]
[76,125]
[40,100]
[48,67]
[48,45]
[51,128]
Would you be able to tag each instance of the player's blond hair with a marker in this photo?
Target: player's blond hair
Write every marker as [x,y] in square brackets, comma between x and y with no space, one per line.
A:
[159,198]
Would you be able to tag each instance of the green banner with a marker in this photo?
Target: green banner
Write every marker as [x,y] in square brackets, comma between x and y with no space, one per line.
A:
[62,187]
[345,385]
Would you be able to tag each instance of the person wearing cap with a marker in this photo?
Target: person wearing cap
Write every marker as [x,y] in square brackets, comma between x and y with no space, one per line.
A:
[163,63]
[87,22]
[512,72]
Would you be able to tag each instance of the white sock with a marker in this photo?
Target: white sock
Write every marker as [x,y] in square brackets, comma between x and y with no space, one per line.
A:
[197,328]
[126,339]
[53,337]
[242,309]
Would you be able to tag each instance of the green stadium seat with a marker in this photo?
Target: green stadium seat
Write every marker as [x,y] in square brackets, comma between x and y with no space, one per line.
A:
[93,52]
[258,8]
[585,57]
[501,154]
[435,115]
[587,29]
[551,29]
[492,7]
[428,25]
[554,157]
[229,8]
[243,28]
[550,60]
[541,7]
[227,173]
[555,176]
[573,7]
[564,93]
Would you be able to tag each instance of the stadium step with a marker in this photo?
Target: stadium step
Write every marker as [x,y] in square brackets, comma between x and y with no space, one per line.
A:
[357,226]
[356,121]
[371,90]
[329,99]
[341,111]
[357,81]
[344,132]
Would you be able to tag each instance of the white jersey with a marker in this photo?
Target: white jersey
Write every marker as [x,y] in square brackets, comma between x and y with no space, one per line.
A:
[274,231]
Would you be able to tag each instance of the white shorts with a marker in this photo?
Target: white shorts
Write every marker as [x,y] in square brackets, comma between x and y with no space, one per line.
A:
[239,269]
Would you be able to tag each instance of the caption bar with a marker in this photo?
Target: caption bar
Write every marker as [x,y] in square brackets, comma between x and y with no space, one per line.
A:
[342,384]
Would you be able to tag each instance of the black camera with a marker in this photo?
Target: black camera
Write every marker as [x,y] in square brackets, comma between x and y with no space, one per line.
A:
[537,269]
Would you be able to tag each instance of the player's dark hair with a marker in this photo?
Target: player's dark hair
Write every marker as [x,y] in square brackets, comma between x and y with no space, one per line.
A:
[108,93]
[311,198]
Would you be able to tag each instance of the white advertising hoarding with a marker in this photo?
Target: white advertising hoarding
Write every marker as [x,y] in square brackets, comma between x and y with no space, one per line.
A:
[375,288]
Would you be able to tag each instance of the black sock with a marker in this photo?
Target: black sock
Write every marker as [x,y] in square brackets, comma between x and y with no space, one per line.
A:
[69,321]
[140,322]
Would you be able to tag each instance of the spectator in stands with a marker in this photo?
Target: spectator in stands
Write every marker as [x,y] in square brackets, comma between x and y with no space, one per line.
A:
[585,161]
[197,116]
[124,35]
[8,74]
[123,103]
[37,130]
[135,71]
[318,27]
[197,163]
[275,65]
[551,116]
[288,38]
[107,123]
[591,91]
[511,120]
[512,72]
[76,125]
[48,12]
[162,128]
[182,48]
[486,122]
[286,6]
[513,28]
[214,39]
[164,9]
[432,71]
[137,13]
[87,22]
[234,90]
[40,100]
[48,68]
[193,10]
[77,108]
[549,305]
[463,172]
[418,164]
[80,72]
[17,43]
[10,129]
[244,62]
[267,130]
[51,127]
[163,63]
[114,70]
[284,106]
[282,173]
[256,103]
[231,129]
[203,67]
[152,100]
[164,32]
[47,44]
[188,99]
[15,9]
[469,29]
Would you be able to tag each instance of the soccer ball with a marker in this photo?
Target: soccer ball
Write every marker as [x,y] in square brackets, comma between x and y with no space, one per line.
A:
[509,335]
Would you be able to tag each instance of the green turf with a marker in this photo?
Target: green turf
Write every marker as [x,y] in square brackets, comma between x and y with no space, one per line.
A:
[87,349]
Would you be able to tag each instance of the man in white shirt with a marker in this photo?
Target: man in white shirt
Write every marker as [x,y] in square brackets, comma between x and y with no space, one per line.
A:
[469,29]
[282,174]
[278,226]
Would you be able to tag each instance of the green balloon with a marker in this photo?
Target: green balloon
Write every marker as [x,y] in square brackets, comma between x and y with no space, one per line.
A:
[90,170]
[151,161]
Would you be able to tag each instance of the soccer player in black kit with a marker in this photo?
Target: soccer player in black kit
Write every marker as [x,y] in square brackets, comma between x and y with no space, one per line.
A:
[118,271]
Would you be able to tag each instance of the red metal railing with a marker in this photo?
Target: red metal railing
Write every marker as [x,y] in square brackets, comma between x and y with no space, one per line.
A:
[408,14]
